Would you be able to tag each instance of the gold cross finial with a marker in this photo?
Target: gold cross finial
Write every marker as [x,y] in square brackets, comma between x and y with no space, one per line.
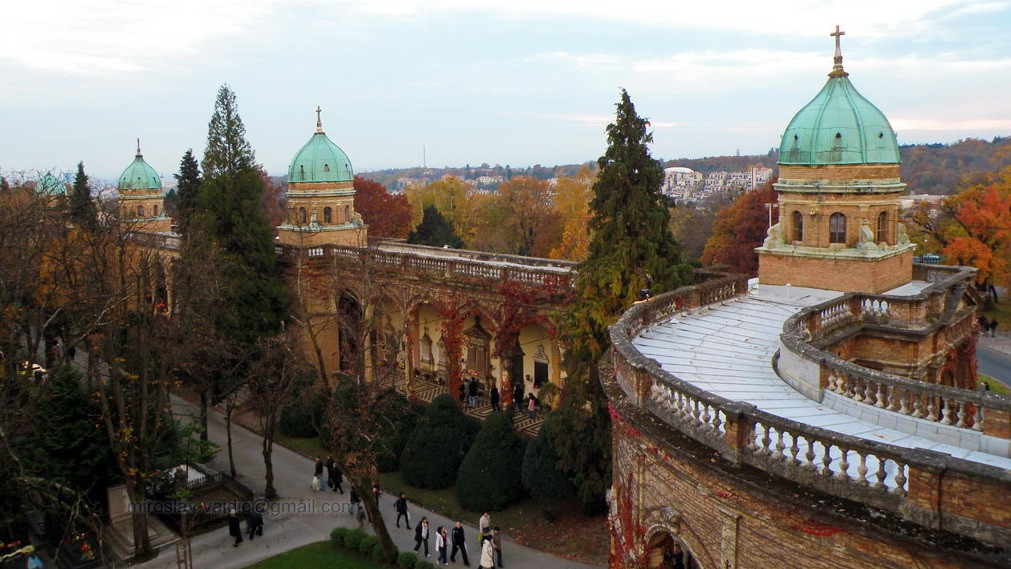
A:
[319,121]
[837,68]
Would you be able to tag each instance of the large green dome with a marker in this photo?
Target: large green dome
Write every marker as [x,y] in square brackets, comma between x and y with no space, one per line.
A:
[50,185]
[139,175]
[320,160]
[839,126]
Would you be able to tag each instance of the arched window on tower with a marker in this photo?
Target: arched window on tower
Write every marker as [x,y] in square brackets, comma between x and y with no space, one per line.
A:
[140,211]
[837,228]
[301,215]
[327,215]
[798,226]
[882,236]
[326,167]
[155,212]
[347,214]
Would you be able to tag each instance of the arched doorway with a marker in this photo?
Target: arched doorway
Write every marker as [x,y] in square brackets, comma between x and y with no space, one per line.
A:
[664,551]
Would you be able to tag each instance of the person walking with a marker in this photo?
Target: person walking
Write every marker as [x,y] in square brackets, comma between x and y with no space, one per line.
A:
[400,506]
[484,524]
[336,478]
[532,406]
[518,396]
[234,529]
[472,393]
[487,553]
[329,464]
[459,543]
[421,535]
[495,398]
[496,542]
[317,482]
[440,545]
[254,524]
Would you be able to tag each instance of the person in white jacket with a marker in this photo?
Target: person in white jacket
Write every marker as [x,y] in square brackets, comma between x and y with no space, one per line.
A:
[487,554]
[441,545]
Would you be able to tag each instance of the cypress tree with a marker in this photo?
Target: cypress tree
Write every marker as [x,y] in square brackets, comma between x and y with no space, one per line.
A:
[189,186]
[229,208]
[434,230]
[81,208]
[489,478]
[632,249]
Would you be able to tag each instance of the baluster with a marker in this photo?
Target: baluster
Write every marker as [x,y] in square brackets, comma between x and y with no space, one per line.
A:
[844,464]
[794,450]
[780,445]
[868,391]
[679,403]
[880,396]
[961,415]
[893,403]
[880,474]
[931,408]
[858,394]
[717,421]
[766,440]
[946,411]
[917,405]
[705,416]
[900,478]
[809,455]
[826,460]
[862,468]
[695,413]
[977,419]
[903,400]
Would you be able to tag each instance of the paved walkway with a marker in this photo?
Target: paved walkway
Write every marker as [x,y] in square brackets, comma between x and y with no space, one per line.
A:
[303,520]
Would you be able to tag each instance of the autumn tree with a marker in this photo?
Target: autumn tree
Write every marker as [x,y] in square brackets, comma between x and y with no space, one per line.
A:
[527,212]
[740,228]
[632,249]
[450,196]
[387,215]
[572,204]
[82,210]
[188,181]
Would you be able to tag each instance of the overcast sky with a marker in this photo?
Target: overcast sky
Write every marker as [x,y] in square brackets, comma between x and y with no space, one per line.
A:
[516,82]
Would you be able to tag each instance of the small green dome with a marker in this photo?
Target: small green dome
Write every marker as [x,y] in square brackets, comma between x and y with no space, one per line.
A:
[320,160]
[139,175]
[50,185]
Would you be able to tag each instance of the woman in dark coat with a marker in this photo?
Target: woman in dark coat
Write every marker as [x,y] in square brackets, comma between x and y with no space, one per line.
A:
[234,529]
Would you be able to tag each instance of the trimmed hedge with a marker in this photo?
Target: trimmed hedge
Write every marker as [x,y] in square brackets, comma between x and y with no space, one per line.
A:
[377,555]
[424,564]
[353,538]
[438,445]
[337,537]
[366,544]
[401,419]
[541,476]
[407,560]
[489,478]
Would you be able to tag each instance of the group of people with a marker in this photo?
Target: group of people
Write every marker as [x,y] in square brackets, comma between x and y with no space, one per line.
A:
[332,479]
[254,526]
[448,543]
[469,391]
[988,326]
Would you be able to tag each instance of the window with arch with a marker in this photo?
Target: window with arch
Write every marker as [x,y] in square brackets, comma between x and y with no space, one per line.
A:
[327,215]
[301,171]
[301,215]
[347,214]
[882,236]
[140,211]
[798,226]
[326,167]
[837,228]
[155,212]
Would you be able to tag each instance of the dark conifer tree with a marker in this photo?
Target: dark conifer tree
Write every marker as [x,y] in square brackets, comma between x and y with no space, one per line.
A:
[434,230]
[189,186]
[229,209]
[632,249]
[81,208]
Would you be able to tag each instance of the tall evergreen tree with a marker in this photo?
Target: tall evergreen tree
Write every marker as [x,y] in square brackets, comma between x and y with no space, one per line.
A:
[229,208]
[434,230]
[632,248]
[82,209]
[189,185]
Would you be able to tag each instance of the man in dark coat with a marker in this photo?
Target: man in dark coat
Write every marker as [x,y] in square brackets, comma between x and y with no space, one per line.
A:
[234,529]
[495,400]
[518,396]
[401,508]
[254,524]
[472,393]
[459,542]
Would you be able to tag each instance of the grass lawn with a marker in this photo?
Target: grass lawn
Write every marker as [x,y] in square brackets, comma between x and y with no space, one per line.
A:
[320,555]
[1002,312]
[995,386]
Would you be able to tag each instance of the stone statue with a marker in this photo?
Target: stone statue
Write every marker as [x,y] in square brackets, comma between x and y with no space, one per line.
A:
[357,220]
[903,236]
[314,221]
[774,237]
[866,242]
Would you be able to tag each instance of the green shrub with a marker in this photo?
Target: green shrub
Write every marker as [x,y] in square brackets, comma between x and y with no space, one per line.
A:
[366,544]
[337,537]
[437,446]
[489,477]
[424,564]
[300,418]
[402,418]
[353,538]
[377,555]
[407,560]
[541,476]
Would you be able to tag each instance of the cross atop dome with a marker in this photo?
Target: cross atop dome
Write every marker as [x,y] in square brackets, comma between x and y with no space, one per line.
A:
[138,148]
[319,121]
[837,68]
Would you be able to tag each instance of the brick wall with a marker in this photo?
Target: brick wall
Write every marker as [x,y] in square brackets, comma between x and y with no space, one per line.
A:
[849,274]
[837,172]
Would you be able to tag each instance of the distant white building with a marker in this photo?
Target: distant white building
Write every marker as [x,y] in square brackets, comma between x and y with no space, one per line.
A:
[680,183]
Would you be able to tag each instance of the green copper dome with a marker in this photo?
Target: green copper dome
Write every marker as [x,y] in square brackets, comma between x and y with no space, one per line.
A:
[139,175]
[50,185]
[320,160]
[839,126]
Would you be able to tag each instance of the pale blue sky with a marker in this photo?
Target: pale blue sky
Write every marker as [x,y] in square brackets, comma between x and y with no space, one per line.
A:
[518,82]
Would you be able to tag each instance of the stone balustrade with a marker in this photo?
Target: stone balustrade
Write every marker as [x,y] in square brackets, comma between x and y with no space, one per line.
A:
[926,487]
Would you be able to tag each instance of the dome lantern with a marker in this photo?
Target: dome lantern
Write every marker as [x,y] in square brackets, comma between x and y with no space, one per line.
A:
[320,160]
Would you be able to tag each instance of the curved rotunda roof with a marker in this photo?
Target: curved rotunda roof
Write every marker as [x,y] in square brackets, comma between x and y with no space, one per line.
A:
[50,185]
[320,160]
[139,175]
[839,126]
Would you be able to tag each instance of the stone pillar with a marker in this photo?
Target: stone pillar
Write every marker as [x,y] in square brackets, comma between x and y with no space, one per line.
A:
[555,361]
